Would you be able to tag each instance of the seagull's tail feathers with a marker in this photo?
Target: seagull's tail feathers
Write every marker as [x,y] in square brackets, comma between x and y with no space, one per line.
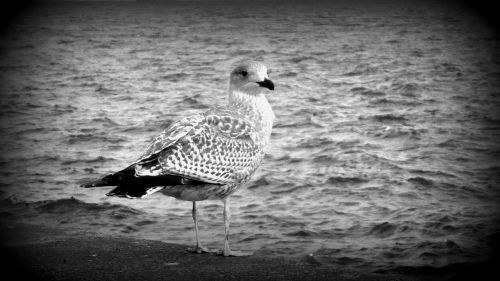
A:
[131,186]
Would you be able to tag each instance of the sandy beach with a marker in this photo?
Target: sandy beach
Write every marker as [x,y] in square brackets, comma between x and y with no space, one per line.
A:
[40,253]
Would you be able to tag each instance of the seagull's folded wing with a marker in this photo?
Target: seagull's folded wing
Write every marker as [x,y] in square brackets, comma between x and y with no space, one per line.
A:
[216,147]
[168,137]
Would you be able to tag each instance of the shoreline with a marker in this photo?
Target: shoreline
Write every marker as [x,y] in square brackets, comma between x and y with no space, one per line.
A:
[44,253]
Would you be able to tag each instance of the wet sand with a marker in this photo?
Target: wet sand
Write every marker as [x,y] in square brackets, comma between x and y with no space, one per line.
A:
[34,252]
[41,253]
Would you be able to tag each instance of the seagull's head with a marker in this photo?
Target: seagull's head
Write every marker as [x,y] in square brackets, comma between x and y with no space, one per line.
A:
[250,77]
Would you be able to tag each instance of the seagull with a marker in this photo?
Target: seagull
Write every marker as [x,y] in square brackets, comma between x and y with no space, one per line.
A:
[207,156]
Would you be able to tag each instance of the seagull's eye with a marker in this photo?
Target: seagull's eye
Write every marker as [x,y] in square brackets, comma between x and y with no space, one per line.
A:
[244,73]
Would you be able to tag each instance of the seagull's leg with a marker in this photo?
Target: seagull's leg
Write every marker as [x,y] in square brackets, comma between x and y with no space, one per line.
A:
[227,251]
[195,218]
[199,248]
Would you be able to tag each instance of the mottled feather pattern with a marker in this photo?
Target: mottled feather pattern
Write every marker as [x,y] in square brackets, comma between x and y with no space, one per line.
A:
[213,158]
[217,148]
[176,131]
[229,126]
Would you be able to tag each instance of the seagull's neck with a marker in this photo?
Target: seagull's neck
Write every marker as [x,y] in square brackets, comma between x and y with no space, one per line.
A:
[256,107]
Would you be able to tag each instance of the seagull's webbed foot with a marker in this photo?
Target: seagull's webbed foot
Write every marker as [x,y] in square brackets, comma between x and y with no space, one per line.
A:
[202,250]
[232,253]
[199,249]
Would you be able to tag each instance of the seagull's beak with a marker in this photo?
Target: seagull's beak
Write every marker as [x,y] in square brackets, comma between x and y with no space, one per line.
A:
[267,84]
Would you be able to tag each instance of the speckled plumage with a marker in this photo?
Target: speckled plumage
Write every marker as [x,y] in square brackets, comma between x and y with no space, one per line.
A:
[220,147]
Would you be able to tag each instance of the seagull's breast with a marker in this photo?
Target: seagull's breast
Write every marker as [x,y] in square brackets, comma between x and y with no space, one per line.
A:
[258,110]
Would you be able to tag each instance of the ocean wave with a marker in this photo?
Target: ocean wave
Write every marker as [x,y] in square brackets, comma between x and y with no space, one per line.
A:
[362,69]
[193,102]
[72,205]
[322,158]
[433,173]
[345,260]
[262,181]
[104,121]
[101,89]
[383,230]
[448,68]
[289,74]
[64,205]
[71,211]
[407,89]
[395,132]
[99,159]
[388,118]
[301,233]
[289,188]
[453,143]
[421,181]
[392,102]
[296,60]
[284,222]
[306,121]
[410,195]
[78,138]
[175,77]
[103,46]
[315,142]
[345,180]
[286,158]
[367,92]
[63,108]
